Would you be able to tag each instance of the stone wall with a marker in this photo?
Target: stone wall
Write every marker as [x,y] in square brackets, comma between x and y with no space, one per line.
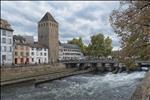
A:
[27,71]
[142,92]
[5,70]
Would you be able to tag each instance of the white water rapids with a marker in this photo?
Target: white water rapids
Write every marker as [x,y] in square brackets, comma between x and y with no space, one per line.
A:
[80,87]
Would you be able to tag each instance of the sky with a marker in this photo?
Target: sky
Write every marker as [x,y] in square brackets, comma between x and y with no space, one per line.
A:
[75,18]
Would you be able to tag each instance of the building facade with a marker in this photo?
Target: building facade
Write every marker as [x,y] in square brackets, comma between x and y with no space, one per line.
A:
[29,53]
[21,50]
[6,44]
[38,54]
[21,54]
[69,52]
[48,36]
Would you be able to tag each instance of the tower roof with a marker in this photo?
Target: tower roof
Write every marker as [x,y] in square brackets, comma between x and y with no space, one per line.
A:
[48,17]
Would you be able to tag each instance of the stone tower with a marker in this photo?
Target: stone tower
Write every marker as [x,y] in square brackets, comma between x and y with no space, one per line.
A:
[48,36]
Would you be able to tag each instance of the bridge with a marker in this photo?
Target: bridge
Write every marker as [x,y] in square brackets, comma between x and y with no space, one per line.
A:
[100,64]
[143,65]
[103,64]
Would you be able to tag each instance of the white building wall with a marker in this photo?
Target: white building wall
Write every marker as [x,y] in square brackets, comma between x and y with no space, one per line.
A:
[69,54]
[38,55]
[7,47]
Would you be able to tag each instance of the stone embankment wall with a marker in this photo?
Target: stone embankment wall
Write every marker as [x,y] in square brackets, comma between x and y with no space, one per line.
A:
[28,68]
[27,71]
[142,92]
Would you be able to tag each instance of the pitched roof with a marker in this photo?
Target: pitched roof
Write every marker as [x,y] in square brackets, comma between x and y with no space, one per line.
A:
[48,17]
[37,45]
[5,25]
[18,37]
[32,45]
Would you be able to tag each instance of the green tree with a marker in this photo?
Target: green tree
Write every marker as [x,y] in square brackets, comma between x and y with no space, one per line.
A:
[99,46]
[131,23]
[108,47]
[79,42]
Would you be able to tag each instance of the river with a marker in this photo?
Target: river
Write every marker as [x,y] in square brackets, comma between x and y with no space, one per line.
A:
[80,87]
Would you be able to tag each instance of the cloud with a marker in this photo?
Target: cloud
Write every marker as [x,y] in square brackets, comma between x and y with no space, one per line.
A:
[75,18]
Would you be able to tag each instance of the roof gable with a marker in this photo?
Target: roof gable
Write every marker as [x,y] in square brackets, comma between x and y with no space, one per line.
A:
[48,17]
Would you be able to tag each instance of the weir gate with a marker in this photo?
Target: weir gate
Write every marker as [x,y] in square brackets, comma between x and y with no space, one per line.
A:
[105,64]
[143,65]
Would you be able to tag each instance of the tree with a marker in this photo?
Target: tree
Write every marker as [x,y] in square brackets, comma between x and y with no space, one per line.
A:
[132,23]
[80,43]
[108,47]
[99,46]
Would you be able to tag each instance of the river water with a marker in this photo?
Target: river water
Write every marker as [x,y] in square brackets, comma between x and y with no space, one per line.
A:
[80,87]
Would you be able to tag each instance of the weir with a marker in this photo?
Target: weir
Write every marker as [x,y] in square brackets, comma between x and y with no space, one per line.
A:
[107,64]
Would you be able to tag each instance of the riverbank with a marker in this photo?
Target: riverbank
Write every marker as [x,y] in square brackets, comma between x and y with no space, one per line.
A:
[36,74]
[142,91]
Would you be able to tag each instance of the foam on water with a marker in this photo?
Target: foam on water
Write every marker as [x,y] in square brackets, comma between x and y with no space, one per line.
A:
[83,87]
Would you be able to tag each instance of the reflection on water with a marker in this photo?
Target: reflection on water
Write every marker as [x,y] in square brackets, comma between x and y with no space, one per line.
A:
[81,87]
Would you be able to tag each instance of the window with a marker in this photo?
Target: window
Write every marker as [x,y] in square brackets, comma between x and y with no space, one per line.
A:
[41,54]
[16,53]
[32,59]
[16,47]
[21,53]
[3,40]
[45,54]
[4,48]
[27,53]
[9,49]
[32,53]
[9,34]
[4,33]
[3,57]
[41,36]
[9,58]
[9,41]
[32,48]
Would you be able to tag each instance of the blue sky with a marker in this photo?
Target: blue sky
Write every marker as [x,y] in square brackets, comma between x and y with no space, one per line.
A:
[76,19]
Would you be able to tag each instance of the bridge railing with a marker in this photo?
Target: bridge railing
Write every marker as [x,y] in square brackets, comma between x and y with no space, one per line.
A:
[88,60]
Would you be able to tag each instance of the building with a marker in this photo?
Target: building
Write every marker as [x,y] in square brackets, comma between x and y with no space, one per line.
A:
[21,50]
[29,39]
[6,44]
[69,52]
[21,54]
[38,54]
[29,53]
[48,36]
